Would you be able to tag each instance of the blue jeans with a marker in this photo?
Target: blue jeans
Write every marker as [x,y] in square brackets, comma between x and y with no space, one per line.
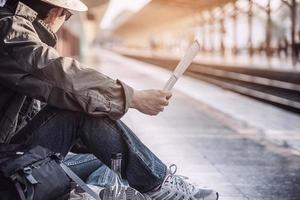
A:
[58,130]
[90,169]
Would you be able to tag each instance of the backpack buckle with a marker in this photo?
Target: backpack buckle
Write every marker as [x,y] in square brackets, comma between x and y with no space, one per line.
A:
[28,174]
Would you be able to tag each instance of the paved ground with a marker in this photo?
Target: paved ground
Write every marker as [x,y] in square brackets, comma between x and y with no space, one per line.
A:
[206,143]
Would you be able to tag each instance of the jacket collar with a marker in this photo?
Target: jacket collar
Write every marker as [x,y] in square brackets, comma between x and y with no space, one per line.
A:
[43,30]
[23,10]
[45,33]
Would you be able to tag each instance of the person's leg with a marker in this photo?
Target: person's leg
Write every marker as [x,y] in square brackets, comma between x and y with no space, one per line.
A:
[58,130]
[50,129]
[83,164]
[142,169]
[103,177]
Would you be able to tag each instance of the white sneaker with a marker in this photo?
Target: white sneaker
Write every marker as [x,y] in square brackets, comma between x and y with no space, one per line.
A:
[175,187]
[123,192]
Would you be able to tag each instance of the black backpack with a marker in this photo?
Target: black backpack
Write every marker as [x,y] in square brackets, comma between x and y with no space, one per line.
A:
[35,174]
[31,174]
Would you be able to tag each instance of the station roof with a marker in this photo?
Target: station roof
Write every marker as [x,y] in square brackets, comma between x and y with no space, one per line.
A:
[159,13]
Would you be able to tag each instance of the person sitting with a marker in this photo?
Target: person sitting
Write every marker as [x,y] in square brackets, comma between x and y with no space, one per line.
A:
[82,103]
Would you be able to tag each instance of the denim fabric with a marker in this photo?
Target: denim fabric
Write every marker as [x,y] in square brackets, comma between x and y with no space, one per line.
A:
[103,177]
[90,169]
[83,164]
[59,129]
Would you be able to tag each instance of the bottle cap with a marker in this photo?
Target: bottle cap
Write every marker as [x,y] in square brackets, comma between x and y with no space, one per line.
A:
[116,155]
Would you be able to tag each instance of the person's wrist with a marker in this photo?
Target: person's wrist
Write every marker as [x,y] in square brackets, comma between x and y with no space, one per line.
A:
[134,101]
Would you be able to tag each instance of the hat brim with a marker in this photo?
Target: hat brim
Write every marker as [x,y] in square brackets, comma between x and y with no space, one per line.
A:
[74,5]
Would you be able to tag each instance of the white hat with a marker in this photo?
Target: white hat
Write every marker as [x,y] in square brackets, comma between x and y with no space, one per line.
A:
[75,5]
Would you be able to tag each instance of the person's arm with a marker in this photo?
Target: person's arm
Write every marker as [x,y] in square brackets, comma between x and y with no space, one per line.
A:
[150,102]
[33,68]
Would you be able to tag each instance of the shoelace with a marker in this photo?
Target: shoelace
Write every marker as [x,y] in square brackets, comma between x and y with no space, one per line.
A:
[179,181]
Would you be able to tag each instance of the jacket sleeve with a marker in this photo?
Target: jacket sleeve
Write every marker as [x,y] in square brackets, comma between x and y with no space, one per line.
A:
[35,69]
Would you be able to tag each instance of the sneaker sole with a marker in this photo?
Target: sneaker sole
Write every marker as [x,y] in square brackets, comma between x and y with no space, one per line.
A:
[149,198]
[131,194]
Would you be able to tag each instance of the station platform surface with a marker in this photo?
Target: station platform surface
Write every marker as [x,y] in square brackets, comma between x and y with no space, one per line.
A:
[240,147]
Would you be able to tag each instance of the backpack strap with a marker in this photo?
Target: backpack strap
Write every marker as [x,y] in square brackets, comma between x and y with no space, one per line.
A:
[78,180]
[19,190]
[16,180]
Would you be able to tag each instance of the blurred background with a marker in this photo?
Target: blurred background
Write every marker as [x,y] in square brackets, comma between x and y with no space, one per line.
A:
[235,113]
[227,29]
[248,46]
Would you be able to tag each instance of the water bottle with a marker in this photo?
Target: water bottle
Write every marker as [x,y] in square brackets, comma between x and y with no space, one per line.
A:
[116,164]
[118,190]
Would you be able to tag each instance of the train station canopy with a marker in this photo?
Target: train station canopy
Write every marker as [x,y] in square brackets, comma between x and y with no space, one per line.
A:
[145,13]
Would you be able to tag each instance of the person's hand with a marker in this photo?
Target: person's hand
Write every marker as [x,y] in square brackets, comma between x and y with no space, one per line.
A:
[150,102]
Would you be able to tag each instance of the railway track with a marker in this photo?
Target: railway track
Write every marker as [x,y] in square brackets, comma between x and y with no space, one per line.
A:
[281,89]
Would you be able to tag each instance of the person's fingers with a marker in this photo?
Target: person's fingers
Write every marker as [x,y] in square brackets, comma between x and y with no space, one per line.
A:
[162,101]
[169,96]
[165,103]
[166,94]
[152,113]
[155,111]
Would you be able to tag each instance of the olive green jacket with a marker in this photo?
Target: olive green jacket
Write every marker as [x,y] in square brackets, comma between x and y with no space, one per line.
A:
[31,67]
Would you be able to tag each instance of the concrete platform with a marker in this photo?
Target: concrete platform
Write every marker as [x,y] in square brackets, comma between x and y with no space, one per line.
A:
[240,147]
